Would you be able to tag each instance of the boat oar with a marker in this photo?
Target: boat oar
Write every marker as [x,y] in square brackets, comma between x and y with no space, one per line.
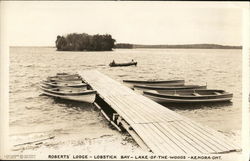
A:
[52,137]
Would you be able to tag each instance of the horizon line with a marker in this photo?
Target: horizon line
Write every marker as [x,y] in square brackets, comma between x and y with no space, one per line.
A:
[132,44]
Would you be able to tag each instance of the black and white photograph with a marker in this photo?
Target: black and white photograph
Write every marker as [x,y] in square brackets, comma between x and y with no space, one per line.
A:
[123,80]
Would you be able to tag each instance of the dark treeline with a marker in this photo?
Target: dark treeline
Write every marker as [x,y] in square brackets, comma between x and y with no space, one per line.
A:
[185,46]
[85,42]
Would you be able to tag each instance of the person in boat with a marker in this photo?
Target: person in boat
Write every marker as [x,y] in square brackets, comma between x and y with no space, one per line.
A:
[112,63]
[132,61]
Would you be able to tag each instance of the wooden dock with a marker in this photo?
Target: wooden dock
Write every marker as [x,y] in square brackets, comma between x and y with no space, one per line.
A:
[153,126]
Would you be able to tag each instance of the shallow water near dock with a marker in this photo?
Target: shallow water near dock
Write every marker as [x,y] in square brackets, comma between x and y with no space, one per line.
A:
[80,128]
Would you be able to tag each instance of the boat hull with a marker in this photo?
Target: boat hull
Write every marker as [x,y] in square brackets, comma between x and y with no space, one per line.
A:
[132,83]
[89,98]
[122,64]
[46,86]
[65,84]
[65,79]
[163,88]
[167,98]
[68,93]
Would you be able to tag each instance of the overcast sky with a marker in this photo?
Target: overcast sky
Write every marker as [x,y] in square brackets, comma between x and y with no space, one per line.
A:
[38,23]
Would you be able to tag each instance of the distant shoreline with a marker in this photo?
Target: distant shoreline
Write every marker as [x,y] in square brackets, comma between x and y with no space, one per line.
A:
[138,46]
[183,46]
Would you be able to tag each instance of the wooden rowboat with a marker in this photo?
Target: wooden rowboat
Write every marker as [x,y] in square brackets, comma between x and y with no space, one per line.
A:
[66,74]
[122,64]
[71,94]
[78,88]
[163,88]
[189,96]
[65,84]
[131,83]
[64,79]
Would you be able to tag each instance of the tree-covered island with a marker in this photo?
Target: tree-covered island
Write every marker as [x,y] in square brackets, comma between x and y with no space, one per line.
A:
[85,42]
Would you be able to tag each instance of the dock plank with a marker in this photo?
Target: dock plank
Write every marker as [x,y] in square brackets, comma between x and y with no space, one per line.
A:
[184,141]
[203,137]
[162,130]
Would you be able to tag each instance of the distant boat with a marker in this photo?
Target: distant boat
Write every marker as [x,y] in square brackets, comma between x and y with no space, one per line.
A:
[113,64]
[189,96]
[131,83]
[173,87]
[74,94]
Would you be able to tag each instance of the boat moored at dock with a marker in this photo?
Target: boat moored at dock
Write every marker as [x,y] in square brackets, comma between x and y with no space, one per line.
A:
[65,84]
[71,94]
[68,87]
[131,83]
[163,88]
[189,96]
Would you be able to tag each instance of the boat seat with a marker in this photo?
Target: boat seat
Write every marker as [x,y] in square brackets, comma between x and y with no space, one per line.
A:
[196,94]
[217,93]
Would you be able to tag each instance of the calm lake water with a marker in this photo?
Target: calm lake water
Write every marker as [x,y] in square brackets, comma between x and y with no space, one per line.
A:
[80,128]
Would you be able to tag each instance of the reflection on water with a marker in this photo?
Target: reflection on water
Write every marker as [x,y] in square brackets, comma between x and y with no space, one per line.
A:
[80,127]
